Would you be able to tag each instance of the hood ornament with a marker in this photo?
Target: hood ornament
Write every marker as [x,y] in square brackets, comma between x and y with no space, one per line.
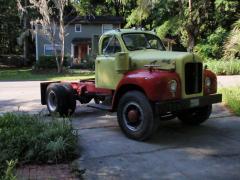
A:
[153,65]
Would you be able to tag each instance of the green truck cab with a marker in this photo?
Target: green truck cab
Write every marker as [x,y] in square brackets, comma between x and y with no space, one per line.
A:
[136,77]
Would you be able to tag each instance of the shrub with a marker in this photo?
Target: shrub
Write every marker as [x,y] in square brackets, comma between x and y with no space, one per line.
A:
[49,62]
[168,27]
[212,47]
[84,65]
[88,63]
[231,96]
[223,67]
[10,171]
[232,45]
[30,139]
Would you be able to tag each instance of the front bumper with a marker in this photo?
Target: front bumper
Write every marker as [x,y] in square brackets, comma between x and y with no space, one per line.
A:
[183,104]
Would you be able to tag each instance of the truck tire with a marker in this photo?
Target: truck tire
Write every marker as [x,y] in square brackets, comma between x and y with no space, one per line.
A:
[60,99]
[135,116]
[195,116]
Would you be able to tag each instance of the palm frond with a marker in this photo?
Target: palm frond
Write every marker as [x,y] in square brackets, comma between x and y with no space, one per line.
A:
[232,45]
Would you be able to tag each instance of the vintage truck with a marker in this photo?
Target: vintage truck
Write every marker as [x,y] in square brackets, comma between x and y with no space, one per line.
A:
[137,78]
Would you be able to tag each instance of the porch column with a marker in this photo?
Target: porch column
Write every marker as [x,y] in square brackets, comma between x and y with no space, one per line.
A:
[36,41]
[88,49]
[72,50]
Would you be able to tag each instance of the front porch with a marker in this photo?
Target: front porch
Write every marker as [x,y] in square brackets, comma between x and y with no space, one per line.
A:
[80,49]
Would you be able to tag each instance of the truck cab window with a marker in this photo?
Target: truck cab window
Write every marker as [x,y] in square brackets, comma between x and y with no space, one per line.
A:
[139,41]
[111,45]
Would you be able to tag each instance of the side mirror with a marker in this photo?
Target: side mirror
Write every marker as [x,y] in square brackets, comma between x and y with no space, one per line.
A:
[122,62]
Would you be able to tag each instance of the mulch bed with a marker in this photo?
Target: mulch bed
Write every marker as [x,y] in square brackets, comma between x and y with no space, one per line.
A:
[42,172]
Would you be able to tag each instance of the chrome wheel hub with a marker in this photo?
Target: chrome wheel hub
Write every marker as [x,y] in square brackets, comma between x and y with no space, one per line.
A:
[52,101]
[133,116]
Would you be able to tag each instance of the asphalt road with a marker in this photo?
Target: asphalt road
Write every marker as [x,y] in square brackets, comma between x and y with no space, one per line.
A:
[210,151]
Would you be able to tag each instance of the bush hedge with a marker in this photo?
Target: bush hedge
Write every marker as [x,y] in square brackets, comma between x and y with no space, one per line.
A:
[90,65]
[49,62]
[30,139]
[231,96]
[212,46]
[224,67]
[87,63]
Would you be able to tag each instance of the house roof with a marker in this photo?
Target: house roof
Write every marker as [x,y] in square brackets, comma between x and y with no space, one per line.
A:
[133,30]
[94,19]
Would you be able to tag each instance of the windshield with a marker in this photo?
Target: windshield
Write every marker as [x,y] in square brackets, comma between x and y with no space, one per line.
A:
[137,41]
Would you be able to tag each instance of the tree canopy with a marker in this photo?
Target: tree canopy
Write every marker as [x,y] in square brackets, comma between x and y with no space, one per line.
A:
[9,27]
[208,27]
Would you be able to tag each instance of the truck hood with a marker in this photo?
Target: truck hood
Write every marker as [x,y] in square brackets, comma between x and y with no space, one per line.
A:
[165,59]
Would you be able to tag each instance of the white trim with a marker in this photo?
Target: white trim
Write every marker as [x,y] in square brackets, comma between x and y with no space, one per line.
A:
[88,49]
[36,41]
[104,25]
[72,50]
[49,45]
[76,27]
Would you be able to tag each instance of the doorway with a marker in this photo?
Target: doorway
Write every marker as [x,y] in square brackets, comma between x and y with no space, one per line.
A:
[80,52]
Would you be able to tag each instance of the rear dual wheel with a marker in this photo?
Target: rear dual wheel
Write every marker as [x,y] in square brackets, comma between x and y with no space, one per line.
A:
[60,99]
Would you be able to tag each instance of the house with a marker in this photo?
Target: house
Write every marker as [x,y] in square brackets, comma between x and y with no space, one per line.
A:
[81,39]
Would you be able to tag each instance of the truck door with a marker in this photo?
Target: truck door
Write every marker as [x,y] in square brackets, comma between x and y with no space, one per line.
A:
[106,75]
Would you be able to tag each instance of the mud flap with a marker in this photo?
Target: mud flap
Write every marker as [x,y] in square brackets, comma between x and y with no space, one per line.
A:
[43,88]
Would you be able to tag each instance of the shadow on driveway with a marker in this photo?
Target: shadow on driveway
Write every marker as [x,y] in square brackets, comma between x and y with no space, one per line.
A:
[210,151]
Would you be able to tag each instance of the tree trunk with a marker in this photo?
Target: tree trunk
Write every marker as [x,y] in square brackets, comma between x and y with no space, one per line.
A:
[56,56]
[190,8]
[62,38]
[190,29]
[212,15]
[25,43]
[191,41]
[117,7]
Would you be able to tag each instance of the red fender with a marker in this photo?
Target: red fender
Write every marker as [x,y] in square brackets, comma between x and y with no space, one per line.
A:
[213,78]
[155,84]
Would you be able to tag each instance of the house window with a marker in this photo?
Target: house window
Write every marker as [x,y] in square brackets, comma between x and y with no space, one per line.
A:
[49,49]
[78,28]
[106,27]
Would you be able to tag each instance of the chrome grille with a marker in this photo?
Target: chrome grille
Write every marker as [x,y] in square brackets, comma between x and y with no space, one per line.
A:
[193,78]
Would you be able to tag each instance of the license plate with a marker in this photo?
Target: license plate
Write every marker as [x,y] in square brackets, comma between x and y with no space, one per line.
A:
[194,102]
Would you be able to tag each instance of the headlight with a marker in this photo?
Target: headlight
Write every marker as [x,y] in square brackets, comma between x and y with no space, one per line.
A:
[207,81]
[173,86]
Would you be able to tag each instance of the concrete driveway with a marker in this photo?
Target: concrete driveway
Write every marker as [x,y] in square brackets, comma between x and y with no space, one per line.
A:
[210,151]
[20,95]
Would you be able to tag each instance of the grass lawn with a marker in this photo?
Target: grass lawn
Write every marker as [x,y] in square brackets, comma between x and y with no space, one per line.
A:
[25,74]
[221,67]
[231,96]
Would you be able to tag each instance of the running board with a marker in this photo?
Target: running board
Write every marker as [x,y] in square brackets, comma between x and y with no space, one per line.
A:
[100,106]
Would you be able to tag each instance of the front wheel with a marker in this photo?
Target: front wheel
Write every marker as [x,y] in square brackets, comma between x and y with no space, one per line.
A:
[135,116]
[195,116]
